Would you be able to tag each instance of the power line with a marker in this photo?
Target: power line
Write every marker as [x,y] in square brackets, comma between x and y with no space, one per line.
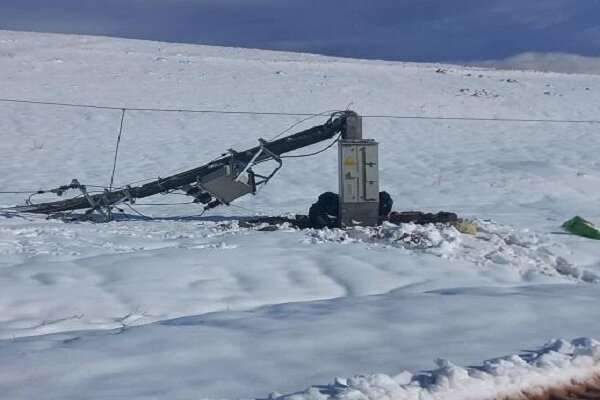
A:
[100,107]
[112,176]
[316,152]
[246,112]
[136,211]
[165,204]
[23,192]
[50,103]
[299,122]
[247,209]
[500,119]
[39,191]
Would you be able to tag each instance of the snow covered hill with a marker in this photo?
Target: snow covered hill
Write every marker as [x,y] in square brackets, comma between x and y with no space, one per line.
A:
[185,307]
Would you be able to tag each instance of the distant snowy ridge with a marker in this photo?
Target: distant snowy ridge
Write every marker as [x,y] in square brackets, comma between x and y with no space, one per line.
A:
[557,62]
[558,363]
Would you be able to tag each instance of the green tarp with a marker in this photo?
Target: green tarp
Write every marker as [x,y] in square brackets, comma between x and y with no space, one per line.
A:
[581,227]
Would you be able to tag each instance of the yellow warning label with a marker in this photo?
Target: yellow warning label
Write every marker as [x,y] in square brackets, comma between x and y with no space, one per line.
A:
[350,160]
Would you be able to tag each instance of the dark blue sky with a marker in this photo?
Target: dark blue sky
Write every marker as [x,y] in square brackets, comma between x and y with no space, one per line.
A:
[412,30]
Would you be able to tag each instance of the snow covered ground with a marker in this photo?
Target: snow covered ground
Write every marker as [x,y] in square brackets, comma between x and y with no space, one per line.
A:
[185,307]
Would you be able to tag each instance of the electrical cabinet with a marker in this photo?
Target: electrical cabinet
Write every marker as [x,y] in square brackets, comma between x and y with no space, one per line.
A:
[359,182]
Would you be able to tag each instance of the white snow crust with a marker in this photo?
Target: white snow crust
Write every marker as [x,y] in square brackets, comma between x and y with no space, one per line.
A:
[184,306]
[558,363]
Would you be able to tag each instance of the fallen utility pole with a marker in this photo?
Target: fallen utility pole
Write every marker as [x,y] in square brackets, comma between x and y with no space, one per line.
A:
[215,183]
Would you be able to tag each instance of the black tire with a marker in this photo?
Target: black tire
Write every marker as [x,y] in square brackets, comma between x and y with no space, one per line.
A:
[325,212]
[330,202]
[319,218]
[385,205]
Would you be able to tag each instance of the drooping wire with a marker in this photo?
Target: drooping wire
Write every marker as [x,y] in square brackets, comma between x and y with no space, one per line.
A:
[247,209]
[23,192]
[30,203]
[165,204]
[137,212]
[295,124]
[28,200]
[112,176]
[138,181]
[330,145]
[184,217]
[36,191]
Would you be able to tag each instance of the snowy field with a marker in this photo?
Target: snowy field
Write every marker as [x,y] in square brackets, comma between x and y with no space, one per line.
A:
[189,307]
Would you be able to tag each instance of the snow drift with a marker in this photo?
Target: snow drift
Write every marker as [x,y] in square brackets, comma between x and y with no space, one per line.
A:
[557,365]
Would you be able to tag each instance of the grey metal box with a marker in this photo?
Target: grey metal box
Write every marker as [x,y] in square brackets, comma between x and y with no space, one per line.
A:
[359,182]
[222,184]
[353,127]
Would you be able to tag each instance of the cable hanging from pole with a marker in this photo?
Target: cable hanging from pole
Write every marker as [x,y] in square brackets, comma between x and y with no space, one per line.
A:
[112,176]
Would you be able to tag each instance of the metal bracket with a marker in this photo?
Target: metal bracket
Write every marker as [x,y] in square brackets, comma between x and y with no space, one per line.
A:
[94,206]
[251,163]
[128,194]
[104,206]
[160,186]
